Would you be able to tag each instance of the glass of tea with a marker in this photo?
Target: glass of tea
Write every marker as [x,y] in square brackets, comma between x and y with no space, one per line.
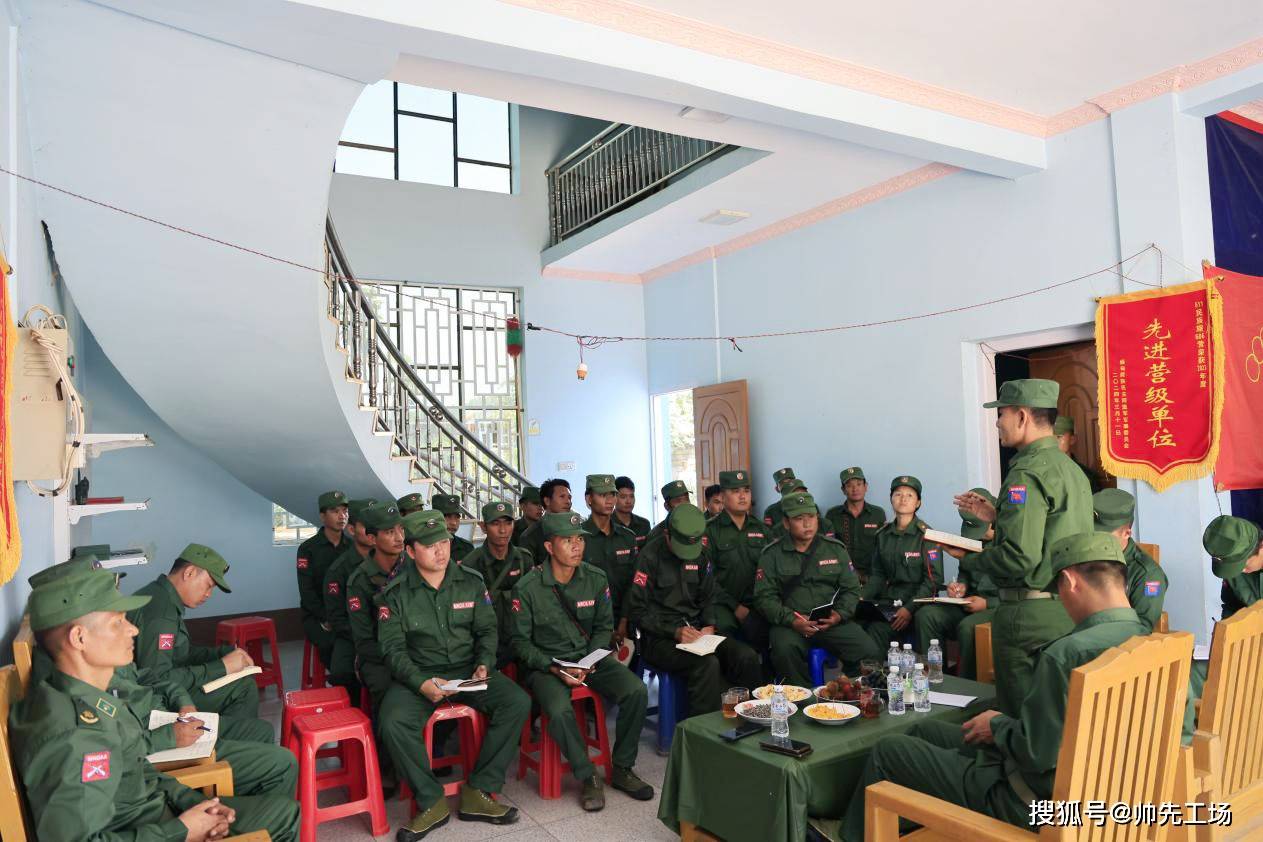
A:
[732,697]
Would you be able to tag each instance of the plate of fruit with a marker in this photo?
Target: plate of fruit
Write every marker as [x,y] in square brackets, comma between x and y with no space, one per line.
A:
[840,689]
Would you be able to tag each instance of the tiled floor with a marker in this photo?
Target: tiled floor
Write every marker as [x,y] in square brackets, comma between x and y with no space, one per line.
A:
[540,821]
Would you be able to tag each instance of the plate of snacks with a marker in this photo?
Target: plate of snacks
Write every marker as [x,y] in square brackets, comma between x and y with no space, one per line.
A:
[832,713]
[753,710]
[793,693]
[840,689]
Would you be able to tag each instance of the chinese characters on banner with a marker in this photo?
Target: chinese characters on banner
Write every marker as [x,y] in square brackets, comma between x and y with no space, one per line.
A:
[1240,463]
[10,538]
[1160,358]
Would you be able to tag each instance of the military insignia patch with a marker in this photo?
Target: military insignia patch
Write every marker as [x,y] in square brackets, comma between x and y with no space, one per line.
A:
[1153,588]
[383,612]
[585,603]
[166,642]
[302,564]
[641,578]
[458,606]
[825,562]
[96,767]
[758,575]
[690,567]
[333,588]
[517,605]
[1017,494]
[88,717]
[932,555]
[486,597]
[754,535]
[107,708]
[607,593]
[353,604]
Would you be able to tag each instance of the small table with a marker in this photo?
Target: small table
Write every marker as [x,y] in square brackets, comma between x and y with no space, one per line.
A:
[738,791]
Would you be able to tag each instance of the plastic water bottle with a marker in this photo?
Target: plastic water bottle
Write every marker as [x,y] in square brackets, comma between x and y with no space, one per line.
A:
[894,693]
[909,658]
[934,662]
[780,714]
[920,690]
[893,657]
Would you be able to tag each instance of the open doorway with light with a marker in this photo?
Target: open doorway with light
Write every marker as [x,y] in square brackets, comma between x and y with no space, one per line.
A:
[674,444]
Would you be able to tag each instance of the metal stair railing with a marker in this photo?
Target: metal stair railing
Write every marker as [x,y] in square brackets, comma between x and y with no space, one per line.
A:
[422,429]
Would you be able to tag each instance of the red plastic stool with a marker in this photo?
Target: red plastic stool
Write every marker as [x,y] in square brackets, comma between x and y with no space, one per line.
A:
[302,702]
[248,633]
[353,732]
[472,729]
[313,669]
[549,765]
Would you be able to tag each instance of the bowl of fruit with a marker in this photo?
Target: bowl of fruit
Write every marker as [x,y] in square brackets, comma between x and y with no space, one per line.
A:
[840,689]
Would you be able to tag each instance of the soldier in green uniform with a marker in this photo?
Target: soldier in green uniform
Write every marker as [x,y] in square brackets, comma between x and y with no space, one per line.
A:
[502,566]
[734,540]
[342,658]
[624,504]
[714,497]
[799,572]
[672,600]
[951,622]
[448,505]
[609,546]
[80,750]
[163,647]
[435,624]
[999,764]
[555,494]
[410,503]
[784,481]
[1236,556]
[314,557]
[1114,511]
[1063,429]
[1044,498]
[674,493]
[905,566]
[563,609]
[532,507]
[855,522]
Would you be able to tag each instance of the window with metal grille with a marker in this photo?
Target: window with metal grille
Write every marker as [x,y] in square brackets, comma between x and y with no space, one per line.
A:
[409,133]
[289,528]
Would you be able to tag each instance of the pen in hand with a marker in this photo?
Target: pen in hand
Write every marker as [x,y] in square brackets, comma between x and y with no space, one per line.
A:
[185,721]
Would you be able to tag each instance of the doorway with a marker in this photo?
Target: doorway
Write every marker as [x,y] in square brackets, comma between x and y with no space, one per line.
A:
[674,448]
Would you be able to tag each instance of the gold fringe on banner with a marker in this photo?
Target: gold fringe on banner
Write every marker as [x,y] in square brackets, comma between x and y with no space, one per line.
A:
[10,537]
[1190,470]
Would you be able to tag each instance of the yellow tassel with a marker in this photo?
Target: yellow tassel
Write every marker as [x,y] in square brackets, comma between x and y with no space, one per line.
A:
[10,537]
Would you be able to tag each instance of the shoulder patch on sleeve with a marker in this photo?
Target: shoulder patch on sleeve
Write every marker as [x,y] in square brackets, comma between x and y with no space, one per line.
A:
[383,612]
[96,767]
[1017,494]
[166,642]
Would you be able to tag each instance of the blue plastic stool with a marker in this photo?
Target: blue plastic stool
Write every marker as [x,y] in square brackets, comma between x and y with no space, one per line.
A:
[672,705]
[817,660]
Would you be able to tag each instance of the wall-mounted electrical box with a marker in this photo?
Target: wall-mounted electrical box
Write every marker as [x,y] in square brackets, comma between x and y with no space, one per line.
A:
[37,410]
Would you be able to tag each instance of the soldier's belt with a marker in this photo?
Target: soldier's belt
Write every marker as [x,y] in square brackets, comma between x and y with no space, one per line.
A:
[1022,594]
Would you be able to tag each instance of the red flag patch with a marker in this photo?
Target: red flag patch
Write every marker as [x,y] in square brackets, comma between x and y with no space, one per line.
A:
[353,603]
[96,767]
[166,642]
[1017,494]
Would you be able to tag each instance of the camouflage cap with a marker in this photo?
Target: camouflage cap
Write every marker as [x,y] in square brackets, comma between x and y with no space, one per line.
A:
[425,528]
[600,484]
[1230,541]
[200,555]
[448,504]
[908,481]
[381,516]
[530,494]
[561,525]
[1112,508]
[1037,394]
[1081,549]
[496,511]
[686,525]
[674,488]
[734,479]
[355,508]
[409,503]
[851,473]
[67,598]
[798,503]
[971,525]
[1064,424]
[331,500]
[782,474]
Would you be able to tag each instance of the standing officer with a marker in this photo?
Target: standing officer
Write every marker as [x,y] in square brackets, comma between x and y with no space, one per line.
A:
[672,601]
[609,545]
[410,503]
[734,540]
[501,565]
[1114,511]
[448,505]
[163,648]
[555,494]
[674,493]
[800,571]
[855,522]
[342,658]
[314,557]
[435,624]
[563,609]
[1063,429]
[80,751]
[1044,498]
[532,510]
[624,504]
[905,567]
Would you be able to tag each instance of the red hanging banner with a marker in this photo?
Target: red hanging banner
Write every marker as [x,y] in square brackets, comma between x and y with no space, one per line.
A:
[1160,358]
[1240,463]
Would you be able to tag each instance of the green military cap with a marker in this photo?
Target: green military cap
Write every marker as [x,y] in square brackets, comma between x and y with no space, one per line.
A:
[798,503]
[1064,424]
[98,550]
[200,555]
[781,475]
[1112,508]
[380,516]
[686,524]
[331,499]
[355,508]
[971,526]
[448,504]
[530,494]
[496,511]
[81,563]
[734,479]
[561,525]
[791,484]
[1037,394]
[1081,549]
[1230,542]
[426,528]
[674,488]
[601,484]
[411,502]
[61,600]
[855,472]
[906,480]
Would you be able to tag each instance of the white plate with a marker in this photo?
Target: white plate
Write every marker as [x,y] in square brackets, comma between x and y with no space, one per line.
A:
[793,693]
[843,707]
[742,707]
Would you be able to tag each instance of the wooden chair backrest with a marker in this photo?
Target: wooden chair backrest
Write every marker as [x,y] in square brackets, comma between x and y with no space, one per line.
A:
[1121,739]
[1153,550]
[23,652]
[1231,703]
[14,826]
[982,653]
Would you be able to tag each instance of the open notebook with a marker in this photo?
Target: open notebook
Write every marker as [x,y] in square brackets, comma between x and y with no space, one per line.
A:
[202,748]
[704,645]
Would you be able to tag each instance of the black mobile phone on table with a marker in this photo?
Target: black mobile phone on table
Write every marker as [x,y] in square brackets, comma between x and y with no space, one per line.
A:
[745,729]
[790,748]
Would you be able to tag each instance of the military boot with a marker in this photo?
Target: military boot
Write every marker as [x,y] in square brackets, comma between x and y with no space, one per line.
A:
[435,816]
[593,797]
[629,782]
[478,806]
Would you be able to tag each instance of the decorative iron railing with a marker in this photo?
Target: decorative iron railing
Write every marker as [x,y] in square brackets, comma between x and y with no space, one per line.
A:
[422,429]
[613,170]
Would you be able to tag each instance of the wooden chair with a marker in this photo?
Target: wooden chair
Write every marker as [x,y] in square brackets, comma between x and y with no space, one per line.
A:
[982,653]
[1121,742]
[24,651]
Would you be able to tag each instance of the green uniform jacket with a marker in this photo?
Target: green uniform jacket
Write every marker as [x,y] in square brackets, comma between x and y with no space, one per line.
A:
[1030,743]
[858,534]
[1241,592]
[460,548]
[734,553]
[335,590]
[1146,586]
[976,581]
[533,541]
[425,632]
[362,587]
[666,592]
[788,581]
[615,554]
[1094,482]
[315,555]
[639,526]
[519,526]
[501,576]
[1045,497]
[543,629]
[81,756]
[904,566]
[163,647]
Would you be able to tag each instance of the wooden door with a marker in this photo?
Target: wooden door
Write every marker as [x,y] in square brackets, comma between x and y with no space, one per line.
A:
[721,431]
[1074,369]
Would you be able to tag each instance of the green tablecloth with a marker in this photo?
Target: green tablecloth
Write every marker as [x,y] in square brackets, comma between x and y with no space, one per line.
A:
[738,791]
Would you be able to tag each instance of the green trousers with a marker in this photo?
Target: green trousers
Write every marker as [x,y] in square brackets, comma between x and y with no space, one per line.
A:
[752,630]
[1196,683]
[708,676]
[277,814]
[933,759]
[404,713]
[259,768]
[948,622]
[881,633]
[1019,630]
[615,683]
[320,638]
[845,641]
[342,668]
[239,700]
